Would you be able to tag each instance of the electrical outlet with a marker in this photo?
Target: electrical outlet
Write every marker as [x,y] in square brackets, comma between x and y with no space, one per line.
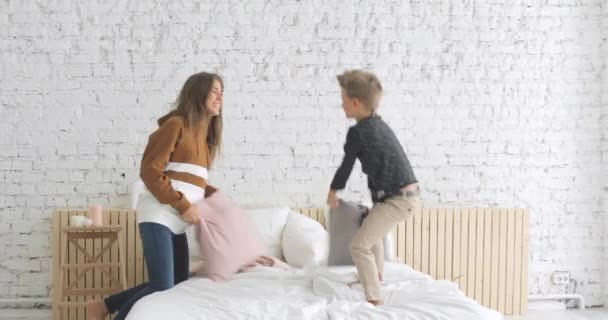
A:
[561,277]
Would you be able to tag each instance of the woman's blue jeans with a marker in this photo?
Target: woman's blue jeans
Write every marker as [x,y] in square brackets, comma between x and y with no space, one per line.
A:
[167,259]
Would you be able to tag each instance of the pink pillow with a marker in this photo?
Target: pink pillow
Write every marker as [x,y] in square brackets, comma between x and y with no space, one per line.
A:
[227,238]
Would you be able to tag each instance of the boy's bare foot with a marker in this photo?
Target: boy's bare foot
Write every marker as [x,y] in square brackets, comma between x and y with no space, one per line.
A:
[376,302]
[96,310]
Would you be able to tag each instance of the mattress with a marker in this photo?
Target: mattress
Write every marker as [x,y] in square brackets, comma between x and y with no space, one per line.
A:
[311,293]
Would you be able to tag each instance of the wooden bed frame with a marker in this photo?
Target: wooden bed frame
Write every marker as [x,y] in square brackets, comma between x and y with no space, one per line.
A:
[483,250]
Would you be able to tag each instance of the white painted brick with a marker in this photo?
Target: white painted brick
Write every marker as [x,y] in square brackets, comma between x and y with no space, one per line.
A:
[76,202]
[21,165]
[5,165]
[29,290]
[36,251]
[41,226]
[17,228]
[56,201]
[21,265]
[33,279]
[7,277]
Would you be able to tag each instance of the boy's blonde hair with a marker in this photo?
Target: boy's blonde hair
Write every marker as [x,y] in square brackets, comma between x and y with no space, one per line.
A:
[362,85]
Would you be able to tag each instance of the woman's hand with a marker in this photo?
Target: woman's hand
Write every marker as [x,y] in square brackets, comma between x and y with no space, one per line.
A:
[191,215]
[332,199]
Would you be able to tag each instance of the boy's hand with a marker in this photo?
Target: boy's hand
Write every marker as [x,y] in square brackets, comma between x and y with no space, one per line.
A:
[332,199]
[191,215]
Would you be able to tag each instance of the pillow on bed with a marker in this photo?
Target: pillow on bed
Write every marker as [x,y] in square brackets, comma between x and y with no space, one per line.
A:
[305,241]
[269,222]
[226,236]
[342,223]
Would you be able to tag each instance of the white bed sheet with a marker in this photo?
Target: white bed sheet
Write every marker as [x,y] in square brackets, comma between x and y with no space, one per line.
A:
[319,293]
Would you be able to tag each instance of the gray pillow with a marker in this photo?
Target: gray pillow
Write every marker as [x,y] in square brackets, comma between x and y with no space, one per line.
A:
[342,224]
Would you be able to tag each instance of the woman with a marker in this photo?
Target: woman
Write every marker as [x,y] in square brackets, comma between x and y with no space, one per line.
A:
[174,170]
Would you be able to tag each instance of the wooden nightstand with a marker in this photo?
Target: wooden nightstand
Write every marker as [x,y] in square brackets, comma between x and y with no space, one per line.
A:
[91,262]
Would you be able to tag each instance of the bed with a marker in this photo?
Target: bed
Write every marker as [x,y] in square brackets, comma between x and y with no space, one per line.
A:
[308,291]
[311,293]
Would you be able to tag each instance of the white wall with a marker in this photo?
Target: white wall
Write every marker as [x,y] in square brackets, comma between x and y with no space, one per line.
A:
[496,102]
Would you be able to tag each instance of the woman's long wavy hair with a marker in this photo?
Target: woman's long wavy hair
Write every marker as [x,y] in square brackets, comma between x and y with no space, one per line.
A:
[190,104]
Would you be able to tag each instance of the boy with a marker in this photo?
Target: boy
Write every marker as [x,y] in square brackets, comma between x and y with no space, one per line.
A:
[390,177]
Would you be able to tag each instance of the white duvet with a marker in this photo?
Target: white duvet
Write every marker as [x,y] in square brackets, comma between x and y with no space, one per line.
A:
[319,293]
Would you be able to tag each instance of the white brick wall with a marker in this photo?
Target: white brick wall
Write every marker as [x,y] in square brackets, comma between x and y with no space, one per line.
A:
[497,103]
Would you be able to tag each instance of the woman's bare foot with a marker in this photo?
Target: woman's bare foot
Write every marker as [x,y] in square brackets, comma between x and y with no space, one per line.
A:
[376,302]
[96,310]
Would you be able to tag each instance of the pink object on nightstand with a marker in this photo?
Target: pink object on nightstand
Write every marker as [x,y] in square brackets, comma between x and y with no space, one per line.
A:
[95,215]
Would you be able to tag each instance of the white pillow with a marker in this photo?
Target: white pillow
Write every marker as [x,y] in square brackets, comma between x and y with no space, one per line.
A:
[305,241]
[389,248]
[270,223]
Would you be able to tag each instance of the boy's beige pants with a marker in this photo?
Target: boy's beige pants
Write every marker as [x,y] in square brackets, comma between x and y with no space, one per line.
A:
[366,247]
